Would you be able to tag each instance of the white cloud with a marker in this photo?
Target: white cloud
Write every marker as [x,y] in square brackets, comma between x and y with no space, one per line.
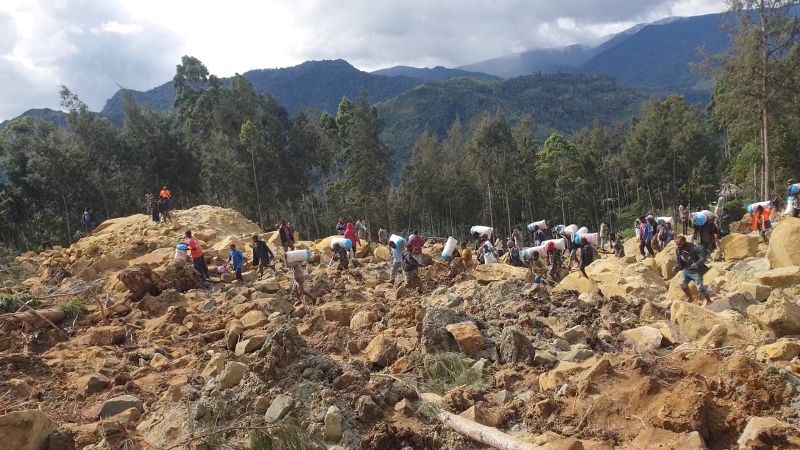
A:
[116,27]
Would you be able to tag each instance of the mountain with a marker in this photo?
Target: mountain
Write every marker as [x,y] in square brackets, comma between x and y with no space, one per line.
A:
[318,85]
[57,118]
[545,60]
[555,102]
[429,75]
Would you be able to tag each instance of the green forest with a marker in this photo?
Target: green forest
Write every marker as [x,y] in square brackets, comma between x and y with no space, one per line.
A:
[225,144]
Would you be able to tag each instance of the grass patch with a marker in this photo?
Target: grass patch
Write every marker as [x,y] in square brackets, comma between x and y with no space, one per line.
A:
[12,303]
[448,371]
[289,436]
[74,309]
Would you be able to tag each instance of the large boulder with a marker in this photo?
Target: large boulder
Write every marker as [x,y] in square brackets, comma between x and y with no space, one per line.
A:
[780,277]
[778,315]
[435,337]
[468,336]
[783,350]
[616,278]
[515,347]
[658,438]
[381,350]
[739,246]
[25,430]
[763,432]
[695,322]
[665,261]
[382,253]
[784,247]
[643,339]
[487,273]
[116,405]
[575,281]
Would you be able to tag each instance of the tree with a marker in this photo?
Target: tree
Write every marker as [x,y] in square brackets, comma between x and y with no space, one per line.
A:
[252,140]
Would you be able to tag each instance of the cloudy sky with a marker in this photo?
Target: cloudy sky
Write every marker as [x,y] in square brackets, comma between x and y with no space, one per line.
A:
[96,46]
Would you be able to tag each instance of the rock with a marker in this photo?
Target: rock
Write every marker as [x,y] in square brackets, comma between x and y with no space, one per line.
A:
[780,277]
[757,292]
[159,361]
[267,286]
[650,313]
[778,315]
[404,406]
[657,438]
[783,350]
[563,444]
[643,339]
[575,334]
[250,344]
[784,247]
[233,330]
[474,413]
[278,304]
[695,322]
[25,430]
[363,319]
[214,367]
[261,404]
[669,331]
[435,337]
[107,335]
[139,281]
[116,405]
[130,416]
[739,246]
[638,280]
[665,261]
[382,253]
[575,281]
[206,236]
[562,344]
[254,319]
[714,338]
[381,350]
[545,359]
[736,302]
[279,408]
[487,273]
[577,355]
[333,424]
[95,383]
[20,388]
[366,409]
[468,336]
[515,347]
[337,312]
[232,374]
[764,427]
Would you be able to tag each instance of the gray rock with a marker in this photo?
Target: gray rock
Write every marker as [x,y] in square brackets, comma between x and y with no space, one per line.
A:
[279,408]
[435,337]
[250,344]
[96,382]
[515,347]
[333,424]
[736,302]
[116,405]
[232,375]
[577,355]
[209,304]
[562,345]
[366,408]
[278,304]
[545,359]
[575,334]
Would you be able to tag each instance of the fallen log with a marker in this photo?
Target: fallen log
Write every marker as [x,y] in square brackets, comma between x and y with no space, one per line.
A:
[484,434]
[37,317]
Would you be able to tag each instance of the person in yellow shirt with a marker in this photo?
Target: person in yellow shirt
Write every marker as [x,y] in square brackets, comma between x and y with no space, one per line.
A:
[466,252]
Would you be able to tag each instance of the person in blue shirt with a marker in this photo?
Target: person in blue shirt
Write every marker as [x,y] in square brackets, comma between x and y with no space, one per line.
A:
[397,258]
[236,257]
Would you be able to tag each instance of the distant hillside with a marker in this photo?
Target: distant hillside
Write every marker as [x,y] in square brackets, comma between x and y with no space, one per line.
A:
[545,60]
[429,75]
[319,85]
[557,102]
[57,118]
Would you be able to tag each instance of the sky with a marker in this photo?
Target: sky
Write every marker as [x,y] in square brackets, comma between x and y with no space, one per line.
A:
[97,46]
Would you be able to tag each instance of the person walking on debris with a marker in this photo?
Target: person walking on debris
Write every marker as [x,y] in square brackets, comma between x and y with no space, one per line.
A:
[516,235]
[198,257]
[411,270]
[382,235]
[538,236]
[725,220]
[415,244]
[645,237]
[604,229]
[46,239]
[341,227]
[665,234]
[761,222]
[286,233]
[704,236]
[340,255]
[262,255]
[514,256]
[236,259]
[165,204]
[537,267]
[683,217]
[361,229]
[554,261]
[689,259]
[351,234]
[152,206]
[619,247]
[466,254]
[397,259]
[587,256]
[299,274]
[87,222]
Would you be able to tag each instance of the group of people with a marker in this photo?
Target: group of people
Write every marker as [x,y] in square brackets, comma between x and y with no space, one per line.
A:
[159,207]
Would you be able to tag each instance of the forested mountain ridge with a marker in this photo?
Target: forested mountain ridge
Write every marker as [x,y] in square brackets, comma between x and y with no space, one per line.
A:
[429,75]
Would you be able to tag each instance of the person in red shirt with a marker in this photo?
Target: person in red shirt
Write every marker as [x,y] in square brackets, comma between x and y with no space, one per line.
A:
[198,257]
[351,234]
[415,242]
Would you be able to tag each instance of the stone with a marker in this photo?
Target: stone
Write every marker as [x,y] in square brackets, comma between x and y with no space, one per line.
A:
[783,350]
[107,335]
[95,383]
[337,312]
[736,302]
[209,305]
[643,339]
[404,406]
[515,347]
[577,355]
[20,388]
[333,424]
[757,292]
[714,338]
[784,247]
[670,332]
[563,444]
[468,336]
[232,374]
[758,427]
[254,319]
[435,337]
[261,404]
[780,277]
[695,322]
[270,286]
[381,350]
[159,361]
[26,430]
[363,319]
[279,408]
[545,359]
[658,438]
[214,367]
[131,416]
[474,413]
[233,330]
[250,344]
[366,409]
[562,344]
[382,253]
[575,281]
[778,315]
[279,305]
[665,261]
[487,273]
[575,334]
[737,246]
[116,405]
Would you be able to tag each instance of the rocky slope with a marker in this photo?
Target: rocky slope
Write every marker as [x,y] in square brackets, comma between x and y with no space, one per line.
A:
[146,357]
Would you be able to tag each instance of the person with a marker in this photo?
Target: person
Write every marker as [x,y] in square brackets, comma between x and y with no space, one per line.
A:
[361,229]
[554,261]
[538,236]
[688,258]
[397,259]
[411,269]
[761,222]
[87,222]
[383,235]
[665,234]
[537,267]
[725,220]
[510,243]
[341,227]
[645,237]
[262,255]
[164,209]
[619,247]
[46,239]
[587,256]
[466,253]
[487,253]
[604,229]
[516,235]
[415,242]
[165,194]
[683,217]
[704,236]
[340,255]
[637,227]
[286,233]
[500,246]
[350,233]
[152,206]
[236,260]
[514,255]
[299,274]
[198,257]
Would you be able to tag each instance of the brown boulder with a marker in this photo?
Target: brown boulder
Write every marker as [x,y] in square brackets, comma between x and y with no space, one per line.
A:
[784,247]
[468,336]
